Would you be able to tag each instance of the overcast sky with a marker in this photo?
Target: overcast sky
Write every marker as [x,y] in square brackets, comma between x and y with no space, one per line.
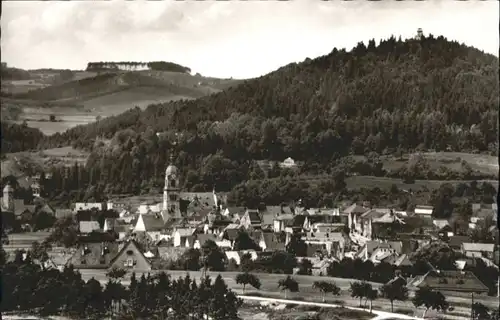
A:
[225,39]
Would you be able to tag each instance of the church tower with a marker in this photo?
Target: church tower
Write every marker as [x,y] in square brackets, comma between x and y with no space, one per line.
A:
[171,194]
[8,198]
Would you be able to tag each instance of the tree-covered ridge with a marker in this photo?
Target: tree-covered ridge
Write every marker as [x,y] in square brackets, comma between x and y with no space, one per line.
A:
[19,137]
[132,65]
[413,94]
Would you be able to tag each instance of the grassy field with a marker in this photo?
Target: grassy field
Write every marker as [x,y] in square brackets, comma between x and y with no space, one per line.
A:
[485,164]
[357,182]
[84,98]
[270,289]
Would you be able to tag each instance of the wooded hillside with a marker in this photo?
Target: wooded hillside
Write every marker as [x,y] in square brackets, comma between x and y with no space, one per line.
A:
[391,98]
[427,94]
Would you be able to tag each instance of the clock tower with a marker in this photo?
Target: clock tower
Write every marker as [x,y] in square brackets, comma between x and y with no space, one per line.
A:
[171,194]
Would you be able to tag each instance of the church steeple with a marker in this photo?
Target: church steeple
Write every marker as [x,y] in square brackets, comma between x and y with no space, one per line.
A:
[171,192]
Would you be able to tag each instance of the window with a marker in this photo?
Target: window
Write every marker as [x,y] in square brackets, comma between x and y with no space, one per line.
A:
[172,183]
[173,197]
[129,262]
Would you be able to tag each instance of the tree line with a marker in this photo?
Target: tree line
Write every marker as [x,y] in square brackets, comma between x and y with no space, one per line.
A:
[18,137]
[154,65]
[30,288]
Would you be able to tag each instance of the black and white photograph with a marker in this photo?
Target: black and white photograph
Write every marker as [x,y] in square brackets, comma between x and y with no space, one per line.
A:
[249,160]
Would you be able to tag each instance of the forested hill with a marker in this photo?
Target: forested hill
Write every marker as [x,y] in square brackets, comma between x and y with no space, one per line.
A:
[415,94]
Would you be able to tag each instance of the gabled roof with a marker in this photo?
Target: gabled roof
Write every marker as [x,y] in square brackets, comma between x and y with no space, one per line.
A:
[185,232]
[126,247]
[397,246]
[440,223]
[284,217]
[272,242]
[254,216]
[90,255]
[236,210]
[486,247]
[321,218]
[464,281]
[89,226]
[153,222]
[354,208]
[202,238]
[402,261]
[456,241]
[200,215]
[267,218]
[231,234]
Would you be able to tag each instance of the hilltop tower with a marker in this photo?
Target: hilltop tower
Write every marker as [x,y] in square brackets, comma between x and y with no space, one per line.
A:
[8,198]
[171,193]
[420,34]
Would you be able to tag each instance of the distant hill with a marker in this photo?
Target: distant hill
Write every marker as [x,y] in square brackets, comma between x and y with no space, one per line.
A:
[72,96]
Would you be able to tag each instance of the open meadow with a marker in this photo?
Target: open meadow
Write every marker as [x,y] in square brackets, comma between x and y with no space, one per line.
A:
[270,289]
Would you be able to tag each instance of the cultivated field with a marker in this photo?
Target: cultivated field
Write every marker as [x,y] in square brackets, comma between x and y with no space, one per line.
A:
[89,95]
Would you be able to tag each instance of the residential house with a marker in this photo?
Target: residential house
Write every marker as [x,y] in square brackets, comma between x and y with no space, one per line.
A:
[9,204]
[372,221]
[60,258]
[478,250]
[445,233]
[94,255]
[353,212]
[184,237]
[109,224]
[316,250]
[378,250]
[232,211]
[482,211]
[270,242]
[62,213]
[231,232]
[320,267]
[424,211]
[311,222]
[215,224]
[251,219]
[288,163]
[89,227]
[201,239]
[334,242]
[84,206]
[440,223]
[282,221]
[26,239]
[119,227]
[449,281]
[152,224]
[131,257]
